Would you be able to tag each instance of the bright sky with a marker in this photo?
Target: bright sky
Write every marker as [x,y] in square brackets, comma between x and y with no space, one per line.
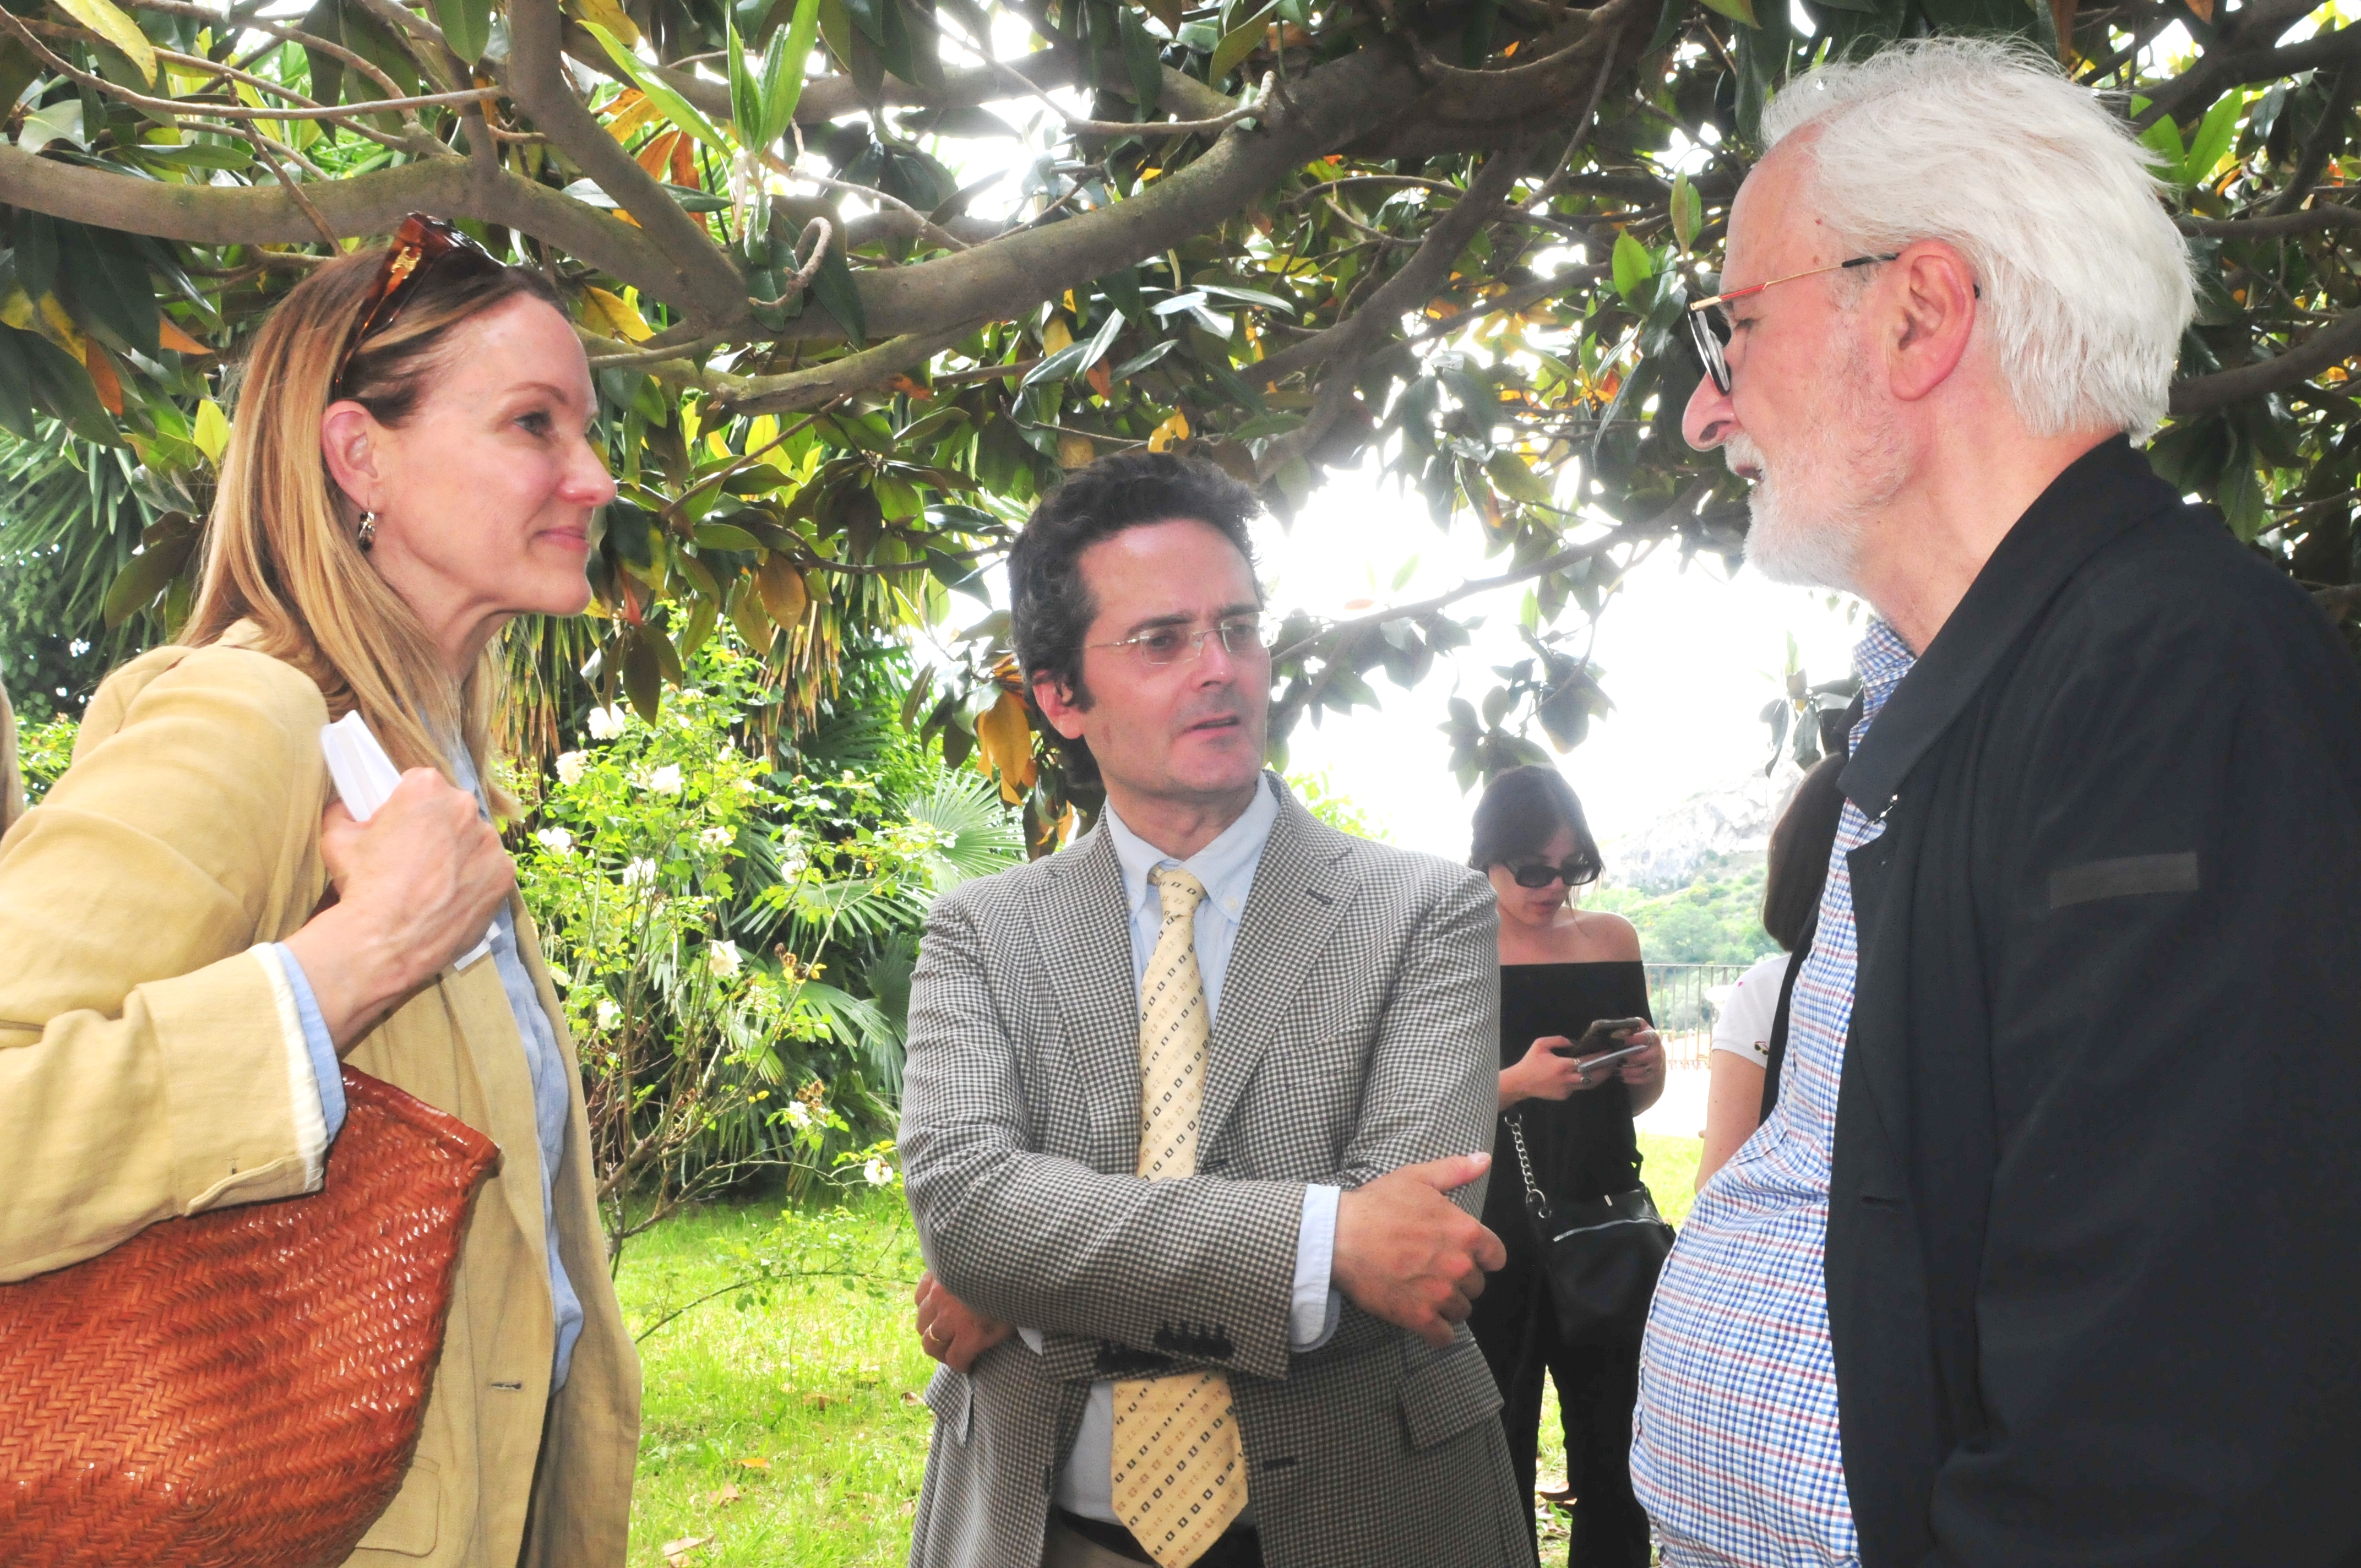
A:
[1688,654]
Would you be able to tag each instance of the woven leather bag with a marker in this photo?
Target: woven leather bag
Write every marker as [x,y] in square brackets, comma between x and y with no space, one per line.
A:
[241,1388]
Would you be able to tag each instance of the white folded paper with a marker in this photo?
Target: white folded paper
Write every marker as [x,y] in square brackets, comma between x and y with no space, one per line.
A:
[364,776]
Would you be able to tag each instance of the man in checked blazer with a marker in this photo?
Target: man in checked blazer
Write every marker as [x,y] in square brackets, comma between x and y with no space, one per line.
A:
[1221,1327]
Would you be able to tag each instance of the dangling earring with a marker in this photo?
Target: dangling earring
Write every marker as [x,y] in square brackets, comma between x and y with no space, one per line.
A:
[368,534]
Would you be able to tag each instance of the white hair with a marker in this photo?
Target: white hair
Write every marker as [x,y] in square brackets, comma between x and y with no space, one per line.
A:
[1985,146]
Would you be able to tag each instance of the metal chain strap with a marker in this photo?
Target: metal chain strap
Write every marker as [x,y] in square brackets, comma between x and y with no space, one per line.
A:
[1536,1199]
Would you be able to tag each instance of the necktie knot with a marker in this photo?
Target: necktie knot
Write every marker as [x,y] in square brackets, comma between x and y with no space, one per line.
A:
[1181,892]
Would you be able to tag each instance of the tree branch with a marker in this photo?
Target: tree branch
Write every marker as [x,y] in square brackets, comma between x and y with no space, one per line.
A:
[1325,108]
[2333,345]
[2222,70]
[1416,280]
[2328,215]
[360,205]
[703,280]
[800,390]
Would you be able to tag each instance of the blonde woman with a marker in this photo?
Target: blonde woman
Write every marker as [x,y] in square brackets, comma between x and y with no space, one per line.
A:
[195,934]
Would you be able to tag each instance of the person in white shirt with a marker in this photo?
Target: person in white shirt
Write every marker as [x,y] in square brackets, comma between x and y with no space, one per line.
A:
[1743,1087]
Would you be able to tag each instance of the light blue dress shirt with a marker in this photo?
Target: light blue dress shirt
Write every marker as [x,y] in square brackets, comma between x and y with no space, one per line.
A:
[543,1058]
[1226,868]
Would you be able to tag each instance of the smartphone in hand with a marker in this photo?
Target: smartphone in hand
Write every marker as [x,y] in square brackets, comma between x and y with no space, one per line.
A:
[1602,1042]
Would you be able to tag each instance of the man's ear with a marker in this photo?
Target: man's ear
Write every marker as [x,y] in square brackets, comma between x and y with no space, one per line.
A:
[1939,303]
[1058,704]
[348,443]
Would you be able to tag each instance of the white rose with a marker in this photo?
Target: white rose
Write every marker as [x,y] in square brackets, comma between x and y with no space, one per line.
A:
[556,840]
[878,1172]
[716,837]
[606,723]
[721,958]
[569,767]
[799,1113]
[640,872]
[609,1016]
[666,780]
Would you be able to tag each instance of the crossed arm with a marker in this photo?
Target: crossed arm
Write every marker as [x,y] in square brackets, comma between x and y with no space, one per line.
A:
[1020,1237]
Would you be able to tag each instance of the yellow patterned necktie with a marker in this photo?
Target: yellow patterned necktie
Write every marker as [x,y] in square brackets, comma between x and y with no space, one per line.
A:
[1179,1470]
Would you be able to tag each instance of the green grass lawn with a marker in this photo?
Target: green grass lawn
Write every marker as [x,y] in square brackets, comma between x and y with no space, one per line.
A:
[784,1426]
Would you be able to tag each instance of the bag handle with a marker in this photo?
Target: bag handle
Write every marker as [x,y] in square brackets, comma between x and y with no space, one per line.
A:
[1537,1202]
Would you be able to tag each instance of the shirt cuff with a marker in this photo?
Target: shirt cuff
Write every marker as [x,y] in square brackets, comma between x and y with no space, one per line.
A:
[1312,1317]
[326,1072]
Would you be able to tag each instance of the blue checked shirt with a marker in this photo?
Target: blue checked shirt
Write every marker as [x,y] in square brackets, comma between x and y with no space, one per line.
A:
[1734,1447]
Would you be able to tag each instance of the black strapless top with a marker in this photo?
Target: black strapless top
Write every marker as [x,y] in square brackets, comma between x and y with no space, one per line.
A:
[1585,1145]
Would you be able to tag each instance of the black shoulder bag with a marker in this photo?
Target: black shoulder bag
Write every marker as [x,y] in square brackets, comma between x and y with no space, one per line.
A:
[1601,1255]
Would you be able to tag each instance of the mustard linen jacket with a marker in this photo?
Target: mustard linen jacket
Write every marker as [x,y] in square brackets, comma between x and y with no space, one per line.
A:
[148,1070]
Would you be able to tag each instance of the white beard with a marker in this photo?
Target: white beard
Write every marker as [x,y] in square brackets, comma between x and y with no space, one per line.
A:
[1811,508]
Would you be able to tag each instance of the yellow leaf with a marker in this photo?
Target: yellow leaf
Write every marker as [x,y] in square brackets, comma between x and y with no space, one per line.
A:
[610,15]
[104,18]
[632,109]
[610,316]
[782,590]
[1071,309]
[1005,734]
[179,342]
[211,432]
[755,1464]
[17,310]
[1161,438]
[1075,451]
[61,326]
[1055,336]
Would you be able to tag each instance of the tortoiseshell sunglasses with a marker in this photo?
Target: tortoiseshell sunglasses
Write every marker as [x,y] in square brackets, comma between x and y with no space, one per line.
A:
[421,244]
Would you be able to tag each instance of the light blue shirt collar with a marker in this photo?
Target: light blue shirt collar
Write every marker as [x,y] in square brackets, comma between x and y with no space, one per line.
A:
[1226,866]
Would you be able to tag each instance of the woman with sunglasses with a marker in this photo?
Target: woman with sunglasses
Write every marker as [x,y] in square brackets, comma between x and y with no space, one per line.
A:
[1563,970]
[196,935]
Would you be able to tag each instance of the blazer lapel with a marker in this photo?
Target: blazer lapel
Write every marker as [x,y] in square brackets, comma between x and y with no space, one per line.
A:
[1082,928]
[1299,892]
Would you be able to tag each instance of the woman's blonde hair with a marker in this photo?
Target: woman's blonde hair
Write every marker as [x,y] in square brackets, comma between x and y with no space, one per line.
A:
[281,547]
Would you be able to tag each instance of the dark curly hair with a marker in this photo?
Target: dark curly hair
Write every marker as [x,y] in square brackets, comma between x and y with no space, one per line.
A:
[1049,606]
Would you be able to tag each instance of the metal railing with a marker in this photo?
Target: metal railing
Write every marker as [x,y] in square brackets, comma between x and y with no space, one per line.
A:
[1685,999]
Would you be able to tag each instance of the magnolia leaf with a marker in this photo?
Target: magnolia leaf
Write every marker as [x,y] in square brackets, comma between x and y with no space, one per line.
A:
[675,107]
[615,317]
[783,589]
[211,432]
[1736,10]
[1239,42]
[1632,265]
[1688,212]
[610,15]
[1004,734]
[467,27]
[745,93]
[783,70]
[1141,56]
[104,18]
[2211,140]
[1173,430]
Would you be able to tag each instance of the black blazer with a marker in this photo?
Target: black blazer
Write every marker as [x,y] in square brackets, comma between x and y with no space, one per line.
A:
[2094,1246]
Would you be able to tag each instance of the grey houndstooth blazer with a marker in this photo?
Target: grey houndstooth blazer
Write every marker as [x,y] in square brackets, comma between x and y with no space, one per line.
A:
[1358,1034]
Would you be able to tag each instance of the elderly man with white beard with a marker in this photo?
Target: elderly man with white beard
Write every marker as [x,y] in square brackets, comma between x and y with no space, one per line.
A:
[2048,1253]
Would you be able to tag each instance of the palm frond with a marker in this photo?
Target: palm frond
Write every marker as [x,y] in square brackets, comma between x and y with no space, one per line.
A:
[976,834]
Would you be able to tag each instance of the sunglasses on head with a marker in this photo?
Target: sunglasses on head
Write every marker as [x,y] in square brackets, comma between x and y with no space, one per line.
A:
[1539,874]
[420,246]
